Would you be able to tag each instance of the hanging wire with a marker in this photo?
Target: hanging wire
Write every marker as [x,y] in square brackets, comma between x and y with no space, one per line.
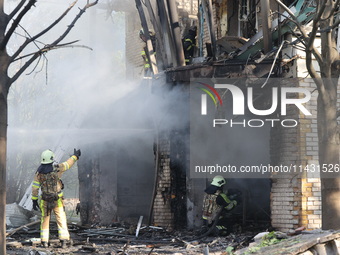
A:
[271,69]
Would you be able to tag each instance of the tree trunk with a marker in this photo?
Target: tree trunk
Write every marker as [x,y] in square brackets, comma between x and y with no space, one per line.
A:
[328,128]
[329,157]
[3,145]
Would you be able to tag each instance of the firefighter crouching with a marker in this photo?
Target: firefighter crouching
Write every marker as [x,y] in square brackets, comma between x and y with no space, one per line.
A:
[213,199]
[48,179]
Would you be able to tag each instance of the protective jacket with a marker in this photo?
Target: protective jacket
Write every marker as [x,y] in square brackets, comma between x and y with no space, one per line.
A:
[52,198]
[212,203]
[189,43]
[213,199]
[145,55]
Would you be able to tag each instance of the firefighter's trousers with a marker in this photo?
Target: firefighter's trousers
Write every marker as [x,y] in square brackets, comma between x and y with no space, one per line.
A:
[60,218]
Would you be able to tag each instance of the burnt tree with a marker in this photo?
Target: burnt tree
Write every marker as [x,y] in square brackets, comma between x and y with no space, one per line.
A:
[325,23]
[8,25]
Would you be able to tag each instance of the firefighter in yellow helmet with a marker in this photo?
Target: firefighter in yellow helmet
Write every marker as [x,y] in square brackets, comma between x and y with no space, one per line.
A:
[213,199]
[47,178]
[145,56]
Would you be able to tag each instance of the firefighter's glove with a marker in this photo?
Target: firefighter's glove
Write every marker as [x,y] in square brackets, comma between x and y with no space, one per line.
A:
[234,192]
[238,199]
[35,205]
[77,153]
[234,202]
[78,208]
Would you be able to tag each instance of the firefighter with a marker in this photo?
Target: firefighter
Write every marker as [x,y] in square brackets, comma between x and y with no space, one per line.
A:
[189,43]
[47,178]
[213,199]
[145,56]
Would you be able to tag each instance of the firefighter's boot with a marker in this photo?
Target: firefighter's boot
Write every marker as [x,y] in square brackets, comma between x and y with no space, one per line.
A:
[44,244]
[63,244]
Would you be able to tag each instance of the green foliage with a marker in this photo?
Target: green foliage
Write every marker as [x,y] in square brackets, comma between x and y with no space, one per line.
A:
[267,240]
[229,250]
[253,249]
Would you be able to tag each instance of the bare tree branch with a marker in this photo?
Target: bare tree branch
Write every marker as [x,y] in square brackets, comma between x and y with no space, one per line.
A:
[329,29]
[290,28]
[43,50]
[12,14]
[317,54]
[35,65]
[336,5]
[15,24]
[37,54]
[28,41]
[35,42]
[24,67]
[53,47]
[81,11]
[310,45]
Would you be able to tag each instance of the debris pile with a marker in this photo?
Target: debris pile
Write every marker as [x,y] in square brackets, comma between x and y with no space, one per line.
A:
[123,238]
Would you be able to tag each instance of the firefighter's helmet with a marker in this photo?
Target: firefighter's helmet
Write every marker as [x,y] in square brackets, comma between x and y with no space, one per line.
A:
[141,33]
[193,29]
[218,181]
[47,157]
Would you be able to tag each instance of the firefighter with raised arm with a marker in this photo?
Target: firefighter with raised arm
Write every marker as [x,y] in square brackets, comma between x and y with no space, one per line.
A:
[47,178]
[145,55]
[213,199]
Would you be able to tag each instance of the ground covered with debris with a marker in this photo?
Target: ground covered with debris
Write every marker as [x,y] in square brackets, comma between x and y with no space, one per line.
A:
[128,239]
[120,238]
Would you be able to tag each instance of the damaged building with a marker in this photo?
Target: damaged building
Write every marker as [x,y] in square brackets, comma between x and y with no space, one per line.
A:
[152,176]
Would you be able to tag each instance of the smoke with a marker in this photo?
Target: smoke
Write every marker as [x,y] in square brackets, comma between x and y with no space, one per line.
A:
[80,98]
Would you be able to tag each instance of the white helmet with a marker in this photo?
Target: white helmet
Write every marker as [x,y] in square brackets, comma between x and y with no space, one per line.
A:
[47,157]
[218,181]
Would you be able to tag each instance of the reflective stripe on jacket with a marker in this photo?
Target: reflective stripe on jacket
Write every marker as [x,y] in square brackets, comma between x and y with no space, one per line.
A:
[61,168]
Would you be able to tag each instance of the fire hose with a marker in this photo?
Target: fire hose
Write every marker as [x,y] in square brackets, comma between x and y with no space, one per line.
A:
[235,194]
[212,226]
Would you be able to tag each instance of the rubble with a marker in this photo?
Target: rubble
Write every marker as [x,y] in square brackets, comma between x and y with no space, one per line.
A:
[120,238]
[17,216]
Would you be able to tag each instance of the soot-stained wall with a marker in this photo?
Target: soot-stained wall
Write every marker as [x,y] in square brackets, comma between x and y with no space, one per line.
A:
[135,179]
[115,182]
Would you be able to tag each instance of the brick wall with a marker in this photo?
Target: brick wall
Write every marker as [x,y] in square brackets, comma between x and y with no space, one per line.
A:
[163,216]
[133,46]
[310,183]
[285,193]
[296,200]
